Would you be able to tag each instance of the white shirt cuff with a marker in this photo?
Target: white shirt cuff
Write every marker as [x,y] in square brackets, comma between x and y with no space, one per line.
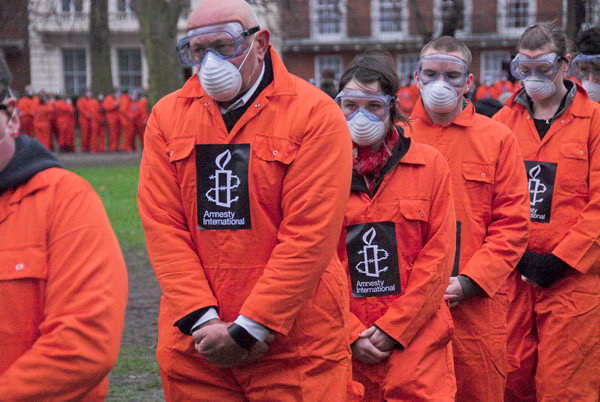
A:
[253,328]
[210,314]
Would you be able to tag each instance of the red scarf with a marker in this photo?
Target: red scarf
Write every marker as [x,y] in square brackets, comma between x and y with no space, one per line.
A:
[369,163]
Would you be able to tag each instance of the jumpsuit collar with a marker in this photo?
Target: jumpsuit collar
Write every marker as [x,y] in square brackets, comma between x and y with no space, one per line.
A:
[465,117]
[402,153]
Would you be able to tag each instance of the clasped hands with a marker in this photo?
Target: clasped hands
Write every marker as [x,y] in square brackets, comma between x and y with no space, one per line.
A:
[214,343]
[373,346]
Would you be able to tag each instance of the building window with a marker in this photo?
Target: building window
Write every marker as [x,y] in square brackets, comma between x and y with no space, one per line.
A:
[459,11]
[516,15]
[327,67]
[491,65]
[125,6]
[328,18]
[130,68]
[407,64]
[71,6]
[389,15]
[74,69]
[592,12]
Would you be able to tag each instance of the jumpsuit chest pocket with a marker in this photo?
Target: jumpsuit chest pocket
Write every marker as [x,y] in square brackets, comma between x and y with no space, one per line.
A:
[477,182]
[272,158]
[412,226]
[23,263]
[573,167]
[179,151]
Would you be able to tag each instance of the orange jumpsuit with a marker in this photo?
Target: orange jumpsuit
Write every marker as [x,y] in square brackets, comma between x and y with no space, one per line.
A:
[500,87]
[113,122]
[41,125]
[97,131]
[141,119]
[281,271]
[128,143]
[63,291]
[65,121]
[490,195]
[407,98]
[26,106]
[84,109]
[484,91]
[414,201]
[555,331]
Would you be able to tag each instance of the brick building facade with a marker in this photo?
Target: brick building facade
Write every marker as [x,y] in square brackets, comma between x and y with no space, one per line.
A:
[326,34]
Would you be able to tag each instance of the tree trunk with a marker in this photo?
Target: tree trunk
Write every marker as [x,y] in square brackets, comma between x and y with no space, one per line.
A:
[421,27]
[575,17]
[100,47]
[453,19]
[158,30]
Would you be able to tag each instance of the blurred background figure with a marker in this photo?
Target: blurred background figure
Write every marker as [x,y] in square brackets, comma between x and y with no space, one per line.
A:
[127,129]
[586,66]
[111,107]
[41,121]
[65,123]
[85,115]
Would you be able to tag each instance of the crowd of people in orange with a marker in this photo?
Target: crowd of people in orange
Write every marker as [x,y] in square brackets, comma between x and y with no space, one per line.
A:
[106,123]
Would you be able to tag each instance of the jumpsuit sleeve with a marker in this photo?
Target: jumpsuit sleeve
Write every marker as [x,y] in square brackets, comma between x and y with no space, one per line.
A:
[508,231]
[176,264]
[431,270]
[581,246]
[84,303]
[314,193]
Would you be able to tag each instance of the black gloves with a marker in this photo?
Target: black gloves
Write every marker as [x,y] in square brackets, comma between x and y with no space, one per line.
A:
[542,269]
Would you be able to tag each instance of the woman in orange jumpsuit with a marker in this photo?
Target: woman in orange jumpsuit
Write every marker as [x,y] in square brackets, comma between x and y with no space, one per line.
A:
[554,315]
[41,122]
[397,244]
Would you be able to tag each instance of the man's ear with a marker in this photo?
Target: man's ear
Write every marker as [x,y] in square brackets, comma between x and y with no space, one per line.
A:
[262,43]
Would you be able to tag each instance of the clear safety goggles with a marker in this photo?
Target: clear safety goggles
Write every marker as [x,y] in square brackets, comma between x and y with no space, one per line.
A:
[354,101]
[227,40]
[585,64]
[452,69]
[544,66]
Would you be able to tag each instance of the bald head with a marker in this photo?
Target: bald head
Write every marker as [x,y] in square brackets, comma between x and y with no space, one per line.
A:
[210,12]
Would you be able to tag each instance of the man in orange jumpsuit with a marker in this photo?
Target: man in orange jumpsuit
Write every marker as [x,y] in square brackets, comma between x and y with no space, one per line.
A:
[63,283]
[142,119]
[554,316]
[243,186]
[128,129]
[26,105]
[85,114]
[397,245]
[65,121]
[41,121]
[110,104]
[97,131]
[491,200]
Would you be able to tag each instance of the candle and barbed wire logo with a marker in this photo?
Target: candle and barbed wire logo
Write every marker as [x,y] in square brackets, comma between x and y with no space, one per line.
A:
[225,182]
[372,255]
[536,187]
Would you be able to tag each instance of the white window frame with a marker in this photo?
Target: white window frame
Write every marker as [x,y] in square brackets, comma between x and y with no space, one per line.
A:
[593,16]
[86,71]
[128,7]
[467,18]
[118,70]
[314,22]
[72,9]
[406,64]
[503,18]
[495,73]
[319,66]
[376,26]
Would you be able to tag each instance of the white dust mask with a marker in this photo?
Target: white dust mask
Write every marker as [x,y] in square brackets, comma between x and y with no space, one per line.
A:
[439,96]
[366,128]
[593,89]
[220,78]
[539,89]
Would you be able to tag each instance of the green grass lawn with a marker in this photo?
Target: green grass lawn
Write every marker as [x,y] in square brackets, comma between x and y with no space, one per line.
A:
[136,375]
[117,186]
